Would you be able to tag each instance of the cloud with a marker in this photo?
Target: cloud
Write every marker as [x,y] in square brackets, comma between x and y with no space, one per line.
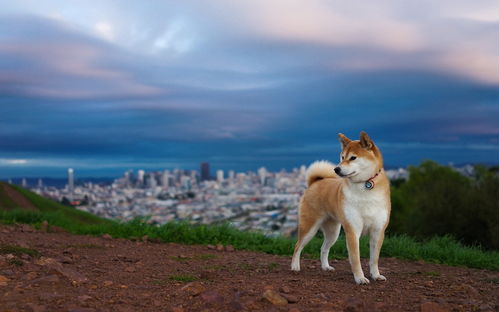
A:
[50,59]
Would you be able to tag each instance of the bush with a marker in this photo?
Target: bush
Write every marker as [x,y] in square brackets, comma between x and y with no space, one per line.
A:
[437,201]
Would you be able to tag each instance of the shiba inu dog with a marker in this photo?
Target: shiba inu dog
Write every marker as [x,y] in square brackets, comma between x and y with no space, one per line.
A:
[354,195]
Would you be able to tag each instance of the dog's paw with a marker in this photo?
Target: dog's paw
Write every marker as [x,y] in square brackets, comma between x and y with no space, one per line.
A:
[378,277]
[327,268]
[295,268]
[361,280]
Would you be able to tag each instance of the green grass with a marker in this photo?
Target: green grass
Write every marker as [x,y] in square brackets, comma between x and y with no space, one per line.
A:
[17,250]
[444,250]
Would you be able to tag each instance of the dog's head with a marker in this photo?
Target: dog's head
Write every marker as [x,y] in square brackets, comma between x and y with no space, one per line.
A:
[359,159]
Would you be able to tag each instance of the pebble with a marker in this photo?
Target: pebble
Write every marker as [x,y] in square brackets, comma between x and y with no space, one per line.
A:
[212,297]
[30,276]
[285,289]
[194,288]
[291,298]
[3,280]
[107,283]
[130,269]
[84,298]
[178,309]
[107,236]
[274,297]
[211,247]
[220,247]
[353,305]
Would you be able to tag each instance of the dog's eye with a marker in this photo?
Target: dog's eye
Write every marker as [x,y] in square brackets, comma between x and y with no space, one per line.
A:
[342,157]
[353,158]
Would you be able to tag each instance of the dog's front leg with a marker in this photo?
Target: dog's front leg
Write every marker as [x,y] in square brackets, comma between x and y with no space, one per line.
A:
[352,237]
[375,242]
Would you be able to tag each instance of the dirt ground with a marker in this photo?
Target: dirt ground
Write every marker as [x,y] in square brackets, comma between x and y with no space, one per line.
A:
[85,274]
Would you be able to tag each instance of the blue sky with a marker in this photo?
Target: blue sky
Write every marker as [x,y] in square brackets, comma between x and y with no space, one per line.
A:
[104,86]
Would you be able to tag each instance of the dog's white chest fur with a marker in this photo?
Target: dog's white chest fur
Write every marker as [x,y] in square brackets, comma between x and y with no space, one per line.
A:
[365,209]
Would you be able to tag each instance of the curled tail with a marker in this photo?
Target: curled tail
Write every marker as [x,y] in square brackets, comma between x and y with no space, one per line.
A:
[320,170]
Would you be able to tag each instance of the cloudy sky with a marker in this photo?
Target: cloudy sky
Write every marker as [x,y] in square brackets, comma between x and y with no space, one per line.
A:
[104,86]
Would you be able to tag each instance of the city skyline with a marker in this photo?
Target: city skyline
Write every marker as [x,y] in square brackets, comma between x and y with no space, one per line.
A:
[102,88]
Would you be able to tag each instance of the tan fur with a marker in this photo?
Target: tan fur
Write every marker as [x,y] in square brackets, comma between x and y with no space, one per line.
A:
[324,205]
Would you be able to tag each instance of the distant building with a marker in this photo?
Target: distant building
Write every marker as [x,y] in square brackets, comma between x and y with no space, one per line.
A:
[71,183]
[24,183]
[140,177]
[205,171]
[220,175]
[40,183]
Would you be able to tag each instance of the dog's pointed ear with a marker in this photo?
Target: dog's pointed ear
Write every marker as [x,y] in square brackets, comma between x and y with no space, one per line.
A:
[365,140]
[343,139]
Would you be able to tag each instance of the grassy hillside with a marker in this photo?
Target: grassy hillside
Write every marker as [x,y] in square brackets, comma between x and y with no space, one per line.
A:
[21,201]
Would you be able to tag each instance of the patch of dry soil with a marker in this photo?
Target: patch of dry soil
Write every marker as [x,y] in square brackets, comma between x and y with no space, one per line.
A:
[85,274]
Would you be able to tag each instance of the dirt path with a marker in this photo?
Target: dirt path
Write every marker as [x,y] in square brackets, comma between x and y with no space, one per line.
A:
[85,274]
[19,200]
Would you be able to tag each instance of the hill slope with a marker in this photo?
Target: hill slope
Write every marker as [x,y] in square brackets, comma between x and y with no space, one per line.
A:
[66,272]
[18,200]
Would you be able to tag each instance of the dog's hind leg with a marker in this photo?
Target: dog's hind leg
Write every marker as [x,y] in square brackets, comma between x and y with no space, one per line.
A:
[307,229]
[331,230]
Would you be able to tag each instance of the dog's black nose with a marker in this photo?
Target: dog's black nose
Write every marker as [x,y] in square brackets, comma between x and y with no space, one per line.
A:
[337,170]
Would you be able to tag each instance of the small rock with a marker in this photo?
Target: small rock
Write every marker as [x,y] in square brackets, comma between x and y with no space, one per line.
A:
[84,298]
[3,280]
[353,305]
[44,226]
[212,297]
[294,310]
[274,297]
[107,283]
[285,289]
[471,290]
[50,262]
[66,260]
[130,269]
[220,247]
[211,247]
[229,248]
[30,276]
[72,275]
[178,309]
[433,307]
[107,236]
[291,298]
[194,288]
[27,228]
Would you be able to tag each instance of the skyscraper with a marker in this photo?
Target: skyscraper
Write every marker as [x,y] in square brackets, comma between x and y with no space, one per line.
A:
[220,175]
[71,183]
[205,171]
[140,177]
